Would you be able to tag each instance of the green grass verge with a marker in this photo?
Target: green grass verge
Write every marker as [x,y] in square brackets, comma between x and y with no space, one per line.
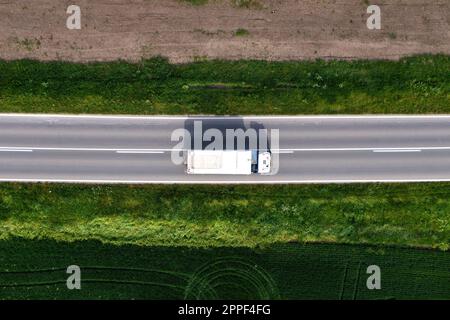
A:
[411,85]
[241,216]
[37,269]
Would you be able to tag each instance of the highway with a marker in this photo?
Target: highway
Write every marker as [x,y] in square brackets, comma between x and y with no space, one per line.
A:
[312,149]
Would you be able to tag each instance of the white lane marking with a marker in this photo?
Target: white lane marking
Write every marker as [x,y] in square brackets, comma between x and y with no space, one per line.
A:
[377,149]
[397,150]
[118,150]
[209,117]
[137,151]
[162,150]
[15,150]
[101,181]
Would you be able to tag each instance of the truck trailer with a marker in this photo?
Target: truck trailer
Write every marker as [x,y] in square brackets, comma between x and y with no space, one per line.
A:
[228,162]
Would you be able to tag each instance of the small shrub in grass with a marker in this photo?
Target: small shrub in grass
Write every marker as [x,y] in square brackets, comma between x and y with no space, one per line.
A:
[241,32]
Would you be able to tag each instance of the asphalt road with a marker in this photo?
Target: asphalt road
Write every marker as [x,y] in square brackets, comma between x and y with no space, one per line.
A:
[312,149]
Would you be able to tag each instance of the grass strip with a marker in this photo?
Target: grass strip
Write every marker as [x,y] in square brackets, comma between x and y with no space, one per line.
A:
[418,84]
[237,216]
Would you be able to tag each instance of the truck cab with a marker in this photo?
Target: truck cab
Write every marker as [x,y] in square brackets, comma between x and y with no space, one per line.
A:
[261,162]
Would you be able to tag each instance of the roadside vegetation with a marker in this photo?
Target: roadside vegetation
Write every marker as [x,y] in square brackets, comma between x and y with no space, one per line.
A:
[196,2]
[241,32]
[245,4]
[235,216]
[412,85]
[37,270]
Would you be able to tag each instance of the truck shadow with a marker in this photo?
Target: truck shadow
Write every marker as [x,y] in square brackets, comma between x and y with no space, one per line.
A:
[205,133]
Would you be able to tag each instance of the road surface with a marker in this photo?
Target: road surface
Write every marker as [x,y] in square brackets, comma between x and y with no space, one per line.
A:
[312,149]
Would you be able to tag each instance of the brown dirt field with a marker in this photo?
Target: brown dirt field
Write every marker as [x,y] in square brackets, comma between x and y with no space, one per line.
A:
[278,30]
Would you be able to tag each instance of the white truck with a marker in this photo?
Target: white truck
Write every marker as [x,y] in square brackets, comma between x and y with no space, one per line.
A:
[228,162]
